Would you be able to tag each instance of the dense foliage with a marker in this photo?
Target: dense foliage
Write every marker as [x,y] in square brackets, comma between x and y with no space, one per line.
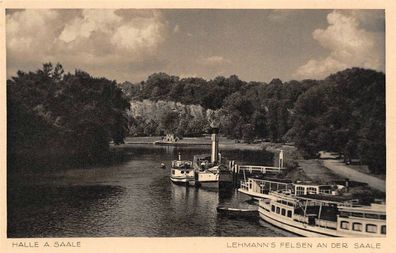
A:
[55,114]
[344,113]
[248,110]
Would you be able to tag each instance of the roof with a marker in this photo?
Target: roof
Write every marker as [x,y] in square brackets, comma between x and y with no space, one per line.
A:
[276,180]
[325,198]
[377,208]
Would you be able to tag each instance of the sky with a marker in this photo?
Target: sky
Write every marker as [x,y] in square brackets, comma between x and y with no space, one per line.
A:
[256,45]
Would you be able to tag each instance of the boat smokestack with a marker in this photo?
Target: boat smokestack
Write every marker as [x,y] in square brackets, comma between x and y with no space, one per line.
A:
[179,156]
[281,159]
[215,145]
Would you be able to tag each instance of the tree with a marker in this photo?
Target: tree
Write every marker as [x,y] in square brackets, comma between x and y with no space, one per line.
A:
[170,122]
[73,114]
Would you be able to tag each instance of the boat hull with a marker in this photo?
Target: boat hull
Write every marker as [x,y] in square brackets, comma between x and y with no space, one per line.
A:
[294,227]
[181,181]
[237,212]
[306,230]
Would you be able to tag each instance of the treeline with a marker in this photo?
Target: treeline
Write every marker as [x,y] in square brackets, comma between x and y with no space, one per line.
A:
[247,110]
[344,113]
[51,115]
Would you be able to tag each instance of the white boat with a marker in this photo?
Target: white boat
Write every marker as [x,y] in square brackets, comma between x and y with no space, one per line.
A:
[182,172]
[259,188]
[209,170]
[319,215]
[213,177]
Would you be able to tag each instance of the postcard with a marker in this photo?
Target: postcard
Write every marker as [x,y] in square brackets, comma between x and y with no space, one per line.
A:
[178,126]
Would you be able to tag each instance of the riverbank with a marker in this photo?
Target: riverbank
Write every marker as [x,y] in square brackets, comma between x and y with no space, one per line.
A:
[224,143]
[325,169]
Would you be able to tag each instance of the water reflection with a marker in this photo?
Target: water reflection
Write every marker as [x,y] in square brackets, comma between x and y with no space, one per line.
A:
[48,211]
[135,198]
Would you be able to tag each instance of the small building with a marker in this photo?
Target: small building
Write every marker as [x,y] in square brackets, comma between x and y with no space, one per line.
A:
[170,138]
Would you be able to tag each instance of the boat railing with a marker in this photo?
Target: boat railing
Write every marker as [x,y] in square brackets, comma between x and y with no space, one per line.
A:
[257,168]
[245,185]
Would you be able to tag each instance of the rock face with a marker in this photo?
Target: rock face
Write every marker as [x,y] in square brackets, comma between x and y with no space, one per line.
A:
[153,110]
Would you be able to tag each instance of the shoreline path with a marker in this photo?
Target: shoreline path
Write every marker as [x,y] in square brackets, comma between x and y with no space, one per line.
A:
[338,167]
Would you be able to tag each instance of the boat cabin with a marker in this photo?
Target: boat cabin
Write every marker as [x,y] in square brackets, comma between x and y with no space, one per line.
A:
[323,214]
[264,186]
[303,188]
[363,220]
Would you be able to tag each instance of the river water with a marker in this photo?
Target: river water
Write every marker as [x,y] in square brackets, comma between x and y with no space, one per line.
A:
[132,198]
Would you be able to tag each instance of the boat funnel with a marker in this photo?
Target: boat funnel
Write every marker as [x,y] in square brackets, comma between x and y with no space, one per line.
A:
[179,156]
[215,145]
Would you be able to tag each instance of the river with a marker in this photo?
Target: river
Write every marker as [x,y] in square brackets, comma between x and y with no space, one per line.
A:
[134,198]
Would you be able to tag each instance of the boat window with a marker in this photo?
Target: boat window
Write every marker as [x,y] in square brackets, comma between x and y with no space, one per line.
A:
[182,171]
[277,210]
[344,214]
[383,229]
[383,217]
[311,190]
[273,208]
[300,190]
[371,228]
[283,211]
[173,172]
[325,191]
[371,216]
[344,225]
[289,213]
[356,226]
[357,214]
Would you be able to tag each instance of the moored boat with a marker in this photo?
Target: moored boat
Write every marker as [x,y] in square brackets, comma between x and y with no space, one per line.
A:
[245,212]
[259,188]
[318,215]
[182,171]
[210,172]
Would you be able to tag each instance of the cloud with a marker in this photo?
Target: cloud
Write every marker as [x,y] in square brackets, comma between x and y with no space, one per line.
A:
[24,30]
[83,38]
[214,60]
[90,21]
[348,43]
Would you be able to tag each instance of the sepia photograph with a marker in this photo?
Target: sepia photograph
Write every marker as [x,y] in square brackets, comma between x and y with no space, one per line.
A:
[171,122]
